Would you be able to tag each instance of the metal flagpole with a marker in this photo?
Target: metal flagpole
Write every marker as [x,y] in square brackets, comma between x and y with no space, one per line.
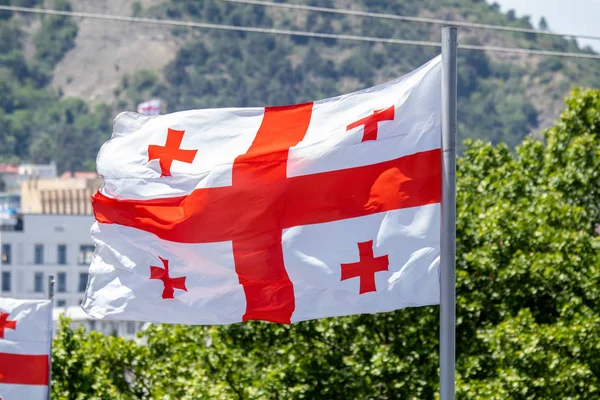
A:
[448,232]
[51,287]
[51,298]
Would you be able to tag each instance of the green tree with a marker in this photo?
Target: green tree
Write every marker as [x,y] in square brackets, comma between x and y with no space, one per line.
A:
[528,262]
[91,366]
[55,37]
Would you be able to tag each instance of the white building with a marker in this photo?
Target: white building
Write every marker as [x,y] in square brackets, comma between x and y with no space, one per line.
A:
[43,171]
[42,246]
[38,246]
[126,329]
[14,176]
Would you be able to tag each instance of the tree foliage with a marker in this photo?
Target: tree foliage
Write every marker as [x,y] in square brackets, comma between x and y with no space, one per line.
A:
[94,367]
[528,304]
[55,37]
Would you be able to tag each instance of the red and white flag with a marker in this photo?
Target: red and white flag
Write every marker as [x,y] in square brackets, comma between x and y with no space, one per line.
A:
[280,214]
[25,341]
[150,107]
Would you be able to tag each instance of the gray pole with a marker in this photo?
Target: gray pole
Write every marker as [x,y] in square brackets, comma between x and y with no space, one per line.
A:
[448,234]
[51,298]
[51,287]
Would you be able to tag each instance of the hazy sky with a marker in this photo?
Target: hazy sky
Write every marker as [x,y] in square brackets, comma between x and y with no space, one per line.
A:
[569,16]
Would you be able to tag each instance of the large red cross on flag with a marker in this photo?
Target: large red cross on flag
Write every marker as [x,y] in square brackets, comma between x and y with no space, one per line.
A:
[25,338]
[280,214]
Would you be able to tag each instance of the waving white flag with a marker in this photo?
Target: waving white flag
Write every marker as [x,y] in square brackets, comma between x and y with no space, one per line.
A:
[281,213]
[25,341]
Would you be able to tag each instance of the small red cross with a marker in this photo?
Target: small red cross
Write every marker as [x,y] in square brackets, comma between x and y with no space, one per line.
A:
[366,268]
[170,283]
[370,122]
[170,152]
[6,324]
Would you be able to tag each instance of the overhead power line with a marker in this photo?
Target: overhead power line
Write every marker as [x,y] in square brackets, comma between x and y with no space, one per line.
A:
[205,25]
[358,13]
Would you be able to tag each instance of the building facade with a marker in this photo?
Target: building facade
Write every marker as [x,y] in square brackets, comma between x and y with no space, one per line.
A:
[126,329]
[35,247]
[42,246]
[13,176]
[65,195]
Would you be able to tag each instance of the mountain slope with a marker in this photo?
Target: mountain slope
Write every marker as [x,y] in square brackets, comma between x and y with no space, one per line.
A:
[112,66]
[502,97]
[105,51]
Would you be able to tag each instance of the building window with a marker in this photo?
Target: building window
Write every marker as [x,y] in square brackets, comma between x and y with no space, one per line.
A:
[62,254]
[38,282]
[83,279]
[62,282]
[39,254]
[6,281]
[61,303]
[130,327]
[113,329]
[86,252]
[6,256]
[92,325]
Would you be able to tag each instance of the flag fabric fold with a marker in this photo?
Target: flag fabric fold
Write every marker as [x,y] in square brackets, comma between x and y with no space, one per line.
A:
[25,343]
[280,214]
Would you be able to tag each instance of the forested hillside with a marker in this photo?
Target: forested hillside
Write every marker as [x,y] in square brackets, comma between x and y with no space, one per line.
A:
[502,98]
[36,123]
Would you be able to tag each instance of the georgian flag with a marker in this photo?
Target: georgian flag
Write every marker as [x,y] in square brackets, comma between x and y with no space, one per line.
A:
[150,107]
[25,341]
[281,214]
